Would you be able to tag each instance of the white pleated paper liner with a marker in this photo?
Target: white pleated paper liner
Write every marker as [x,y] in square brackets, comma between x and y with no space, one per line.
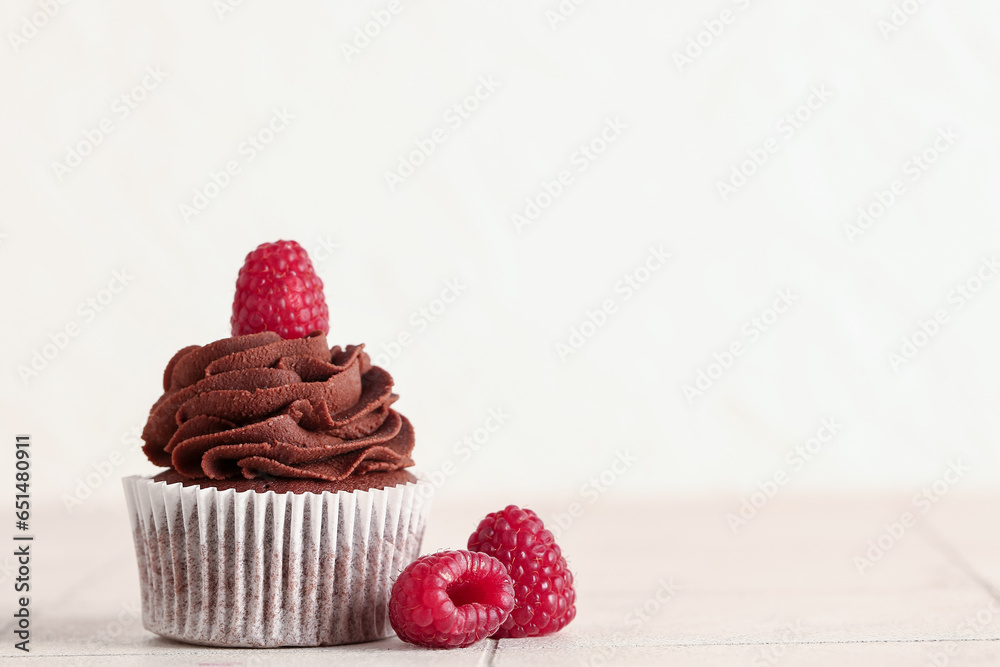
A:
[228,568]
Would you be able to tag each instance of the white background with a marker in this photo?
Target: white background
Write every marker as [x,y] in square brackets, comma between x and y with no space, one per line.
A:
[322,180]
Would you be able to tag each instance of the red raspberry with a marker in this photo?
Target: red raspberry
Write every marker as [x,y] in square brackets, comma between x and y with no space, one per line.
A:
[278,290]
[543,585]
[450,599]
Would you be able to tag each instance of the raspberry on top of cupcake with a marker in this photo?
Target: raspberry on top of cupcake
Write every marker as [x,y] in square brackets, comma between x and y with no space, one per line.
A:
[273,407]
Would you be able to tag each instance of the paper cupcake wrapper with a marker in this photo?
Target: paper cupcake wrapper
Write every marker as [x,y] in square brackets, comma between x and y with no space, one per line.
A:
[228,568]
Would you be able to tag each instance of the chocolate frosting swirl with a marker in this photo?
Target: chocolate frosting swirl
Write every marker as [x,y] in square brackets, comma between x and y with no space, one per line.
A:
[257,405]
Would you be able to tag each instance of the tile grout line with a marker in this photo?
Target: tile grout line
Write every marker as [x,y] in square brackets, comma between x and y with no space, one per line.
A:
[806,642]
[958,560]
[490,650]
[489,655]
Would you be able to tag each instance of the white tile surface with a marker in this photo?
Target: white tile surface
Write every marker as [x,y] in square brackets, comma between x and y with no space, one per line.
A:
[659,581]
[882,654]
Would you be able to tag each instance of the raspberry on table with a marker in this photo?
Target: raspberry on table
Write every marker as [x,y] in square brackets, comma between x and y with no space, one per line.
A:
[278,290]
[543,586]
[450,599]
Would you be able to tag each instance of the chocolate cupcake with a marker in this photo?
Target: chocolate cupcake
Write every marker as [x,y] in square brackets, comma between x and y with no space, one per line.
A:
[287,508]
